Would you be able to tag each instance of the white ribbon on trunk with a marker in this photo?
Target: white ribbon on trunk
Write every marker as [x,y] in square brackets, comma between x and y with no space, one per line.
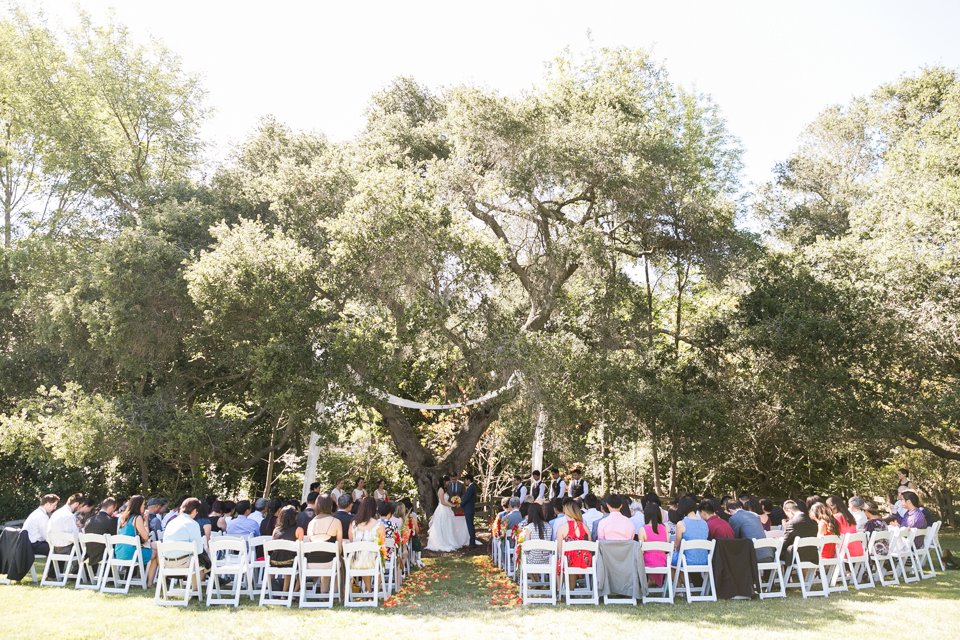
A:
[410,404]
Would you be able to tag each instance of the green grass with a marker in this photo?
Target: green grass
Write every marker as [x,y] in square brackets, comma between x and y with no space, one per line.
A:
[451,599]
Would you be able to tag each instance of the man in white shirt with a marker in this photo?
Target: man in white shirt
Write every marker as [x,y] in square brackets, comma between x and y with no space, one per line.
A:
[258,508]
[591,514]
[856,504]
[519,491]
[538,490]
[559,520]
[173,513]
[558,487]
[184,528]
[578,488]
[636,516]
[64,519]
[36,524]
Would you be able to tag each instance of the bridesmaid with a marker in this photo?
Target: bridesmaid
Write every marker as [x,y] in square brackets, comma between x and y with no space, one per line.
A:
[359,493]
[380,493]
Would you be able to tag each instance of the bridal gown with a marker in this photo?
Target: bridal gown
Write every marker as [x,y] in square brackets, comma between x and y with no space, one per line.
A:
[443,534]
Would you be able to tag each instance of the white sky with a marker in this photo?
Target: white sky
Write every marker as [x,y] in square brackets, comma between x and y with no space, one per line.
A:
[771,66]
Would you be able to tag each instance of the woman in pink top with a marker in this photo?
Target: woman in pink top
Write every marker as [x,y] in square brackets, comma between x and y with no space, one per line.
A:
[845,521]
[654,531]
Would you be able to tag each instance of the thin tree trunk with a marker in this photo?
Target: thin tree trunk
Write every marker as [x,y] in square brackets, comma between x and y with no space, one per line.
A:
[144,478]
[266,487]
[657,488]
[646,271]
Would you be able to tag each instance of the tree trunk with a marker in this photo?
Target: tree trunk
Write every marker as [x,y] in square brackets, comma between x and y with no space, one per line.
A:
[657,488]
[144,478]
[425,467]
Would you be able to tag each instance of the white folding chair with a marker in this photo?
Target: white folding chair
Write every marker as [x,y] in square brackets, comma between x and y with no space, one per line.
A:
[590,593]
[168,575]
[936,543]
[361,598]
[901,548]
[87,578]
[258,564]
[664,593]
[774,533]
[63,548]
[878,549]
[229,557]
[922,552]
[540,590]
[390,580]
[113,572]
[313,597]
[804,569]
[510,555]
[609,598]
[266,588]
[833,567]
[855,560]
[707,591]
[773,567]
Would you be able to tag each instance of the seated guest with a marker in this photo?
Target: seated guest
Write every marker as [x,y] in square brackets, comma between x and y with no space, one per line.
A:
[386,509]
[536,529]
[366,527]
[64,519]
[228,512]
[812,500]
[691,527]
[798,525]
[173,513]
[855,504]
[777,515]
[913,517]
[288,530]
[243,524]
[304,518]
[560,517]
[615,526]
[654,531]
[344,515]
[874,523]
[216,512]
[604,510]
[203,520]
[637,517]
[927,516]
[258,512]
[131,523]
[154,521]
[845,521]
[514,517]
[570,531]
[720,507]
[826,526]
[270,520]
[36,524]
[524,508]
[184,528]
[766,509]
[746,524]
[325,527]
[717,528]
[103,523]
[591,514]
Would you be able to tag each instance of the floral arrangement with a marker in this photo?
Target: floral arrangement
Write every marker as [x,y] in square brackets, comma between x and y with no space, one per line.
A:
[520,537]
[515,533]
[382,542]
[397,538]
[456,500]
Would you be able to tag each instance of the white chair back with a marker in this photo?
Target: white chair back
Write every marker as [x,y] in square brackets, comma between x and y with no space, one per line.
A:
[64,548]
[87,578]
[312,597]
[663,594]
[168,575]
[770,566]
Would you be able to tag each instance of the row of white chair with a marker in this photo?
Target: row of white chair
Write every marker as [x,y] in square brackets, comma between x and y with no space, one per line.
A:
[909,554]
[235,570]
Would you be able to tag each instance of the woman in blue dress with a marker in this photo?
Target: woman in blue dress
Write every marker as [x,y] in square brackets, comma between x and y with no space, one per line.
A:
[131,523]
[691,527]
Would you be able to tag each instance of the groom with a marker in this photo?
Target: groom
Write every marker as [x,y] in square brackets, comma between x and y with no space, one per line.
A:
[469,508]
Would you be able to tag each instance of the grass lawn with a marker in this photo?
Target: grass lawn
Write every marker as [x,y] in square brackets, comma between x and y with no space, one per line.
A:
[459,598]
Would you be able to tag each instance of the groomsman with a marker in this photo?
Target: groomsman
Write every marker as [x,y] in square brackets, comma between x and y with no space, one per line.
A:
[538,490]
[558,488]
[578,488]
[519,491]
[457,487]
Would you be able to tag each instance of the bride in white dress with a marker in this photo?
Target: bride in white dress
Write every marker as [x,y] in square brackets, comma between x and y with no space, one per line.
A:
[443,534]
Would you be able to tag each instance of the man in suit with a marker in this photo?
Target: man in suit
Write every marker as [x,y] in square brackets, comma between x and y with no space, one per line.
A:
[104,524]
[456,487]
[800,525]
[469,506]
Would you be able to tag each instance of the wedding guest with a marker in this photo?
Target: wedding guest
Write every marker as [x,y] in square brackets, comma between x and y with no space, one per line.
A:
[691,527]
[344,515]
[591,514]
[366,527]
[654,531]
[903,476]
[184,528]
[400,522]
[875,523]
[380,493]
[855,504]
[390,529]
[243,524]
[286,529]
[717,528]
[560,517]
[845,521]
[572,530]
[826,526]
[746,524]
[304,518]
[36,524]
[913,517]
[637,517]
[766,509]
[325,527]
[513,513]
[524,508]
[227,512]
[615,526]
[259,511]
[273,514]
[359,493]
[172,513]
[203,520]
[798,525]
[131,523]
[103,523]
[536,529]
[64,519]
[604,510]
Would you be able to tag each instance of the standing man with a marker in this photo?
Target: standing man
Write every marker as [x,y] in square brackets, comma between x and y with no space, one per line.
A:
[456,488]
[469,508]
[519,491]
[558,488]
[36,524]
[577,487]
[538,490]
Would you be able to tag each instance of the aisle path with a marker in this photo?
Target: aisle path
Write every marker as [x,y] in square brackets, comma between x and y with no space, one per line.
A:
[456,581]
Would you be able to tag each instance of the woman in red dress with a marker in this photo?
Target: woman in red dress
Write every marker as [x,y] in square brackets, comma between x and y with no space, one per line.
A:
[845,522]
[570,531]
[826,526]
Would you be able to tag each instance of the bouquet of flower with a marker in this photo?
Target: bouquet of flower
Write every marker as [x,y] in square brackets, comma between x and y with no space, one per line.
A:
[397,539]
[455,501]
[520,537]
[383,545]
[515,532]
